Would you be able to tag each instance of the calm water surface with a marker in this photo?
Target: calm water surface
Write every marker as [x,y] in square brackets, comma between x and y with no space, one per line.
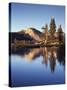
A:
[37,66]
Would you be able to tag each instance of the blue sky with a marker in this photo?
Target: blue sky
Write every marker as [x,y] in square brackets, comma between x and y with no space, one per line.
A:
[35,15]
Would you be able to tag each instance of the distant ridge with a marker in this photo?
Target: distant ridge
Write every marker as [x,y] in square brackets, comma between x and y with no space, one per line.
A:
[31,34]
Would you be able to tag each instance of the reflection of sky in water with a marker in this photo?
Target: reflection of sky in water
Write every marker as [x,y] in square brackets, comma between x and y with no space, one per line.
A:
[34,72]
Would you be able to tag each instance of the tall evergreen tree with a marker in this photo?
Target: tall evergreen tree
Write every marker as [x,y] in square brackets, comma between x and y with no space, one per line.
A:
[52,26]
[60,34]
[45,31]
[60,29]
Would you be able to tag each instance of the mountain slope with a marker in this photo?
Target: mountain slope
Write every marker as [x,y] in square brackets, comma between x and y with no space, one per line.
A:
[32,32]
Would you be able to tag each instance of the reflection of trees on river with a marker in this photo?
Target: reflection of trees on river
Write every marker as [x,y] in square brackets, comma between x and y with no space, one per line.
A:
[45,56]
[51,54]
[53,58]
[61,55]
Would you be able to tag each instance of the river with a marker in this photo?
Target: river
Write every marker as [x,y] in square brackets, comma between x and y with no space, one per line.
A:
[37,66]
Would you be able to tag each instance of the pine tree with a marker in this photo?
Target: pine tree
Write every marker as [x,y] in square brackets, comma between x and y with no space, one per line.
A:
[52,26]
[60,36]
[45,31]
[60,29]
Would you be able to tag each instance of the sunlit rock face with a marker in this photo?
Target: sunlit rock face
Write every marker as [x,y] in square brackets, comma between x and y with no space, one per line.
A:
[34,33]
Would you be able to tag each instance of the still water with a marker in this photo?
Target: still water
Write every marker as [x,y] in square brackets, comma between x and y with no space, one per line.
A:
[37,66]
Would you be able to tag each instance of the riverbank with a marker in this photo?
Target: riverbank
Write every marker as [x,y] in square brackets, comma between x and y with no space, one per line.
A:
[35,45]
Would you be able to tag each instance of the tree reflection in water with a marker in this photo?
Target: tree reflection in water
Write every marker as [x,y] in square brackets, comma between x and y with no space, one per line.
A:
[51,54]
